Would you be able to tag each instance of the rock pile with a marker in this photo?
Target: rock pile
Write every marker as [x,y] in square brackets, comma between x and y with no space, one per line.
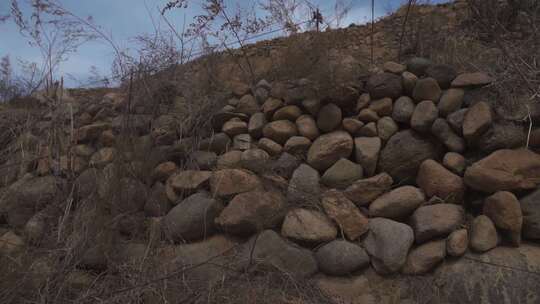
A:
[411,171]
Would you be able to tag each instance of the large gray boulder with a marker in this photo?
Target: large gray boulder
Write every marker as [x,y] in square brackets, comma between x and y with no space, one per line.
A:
[304,185]
[193,218]
[403,154]
[384,85]
[340,257]
[269,251]
[434,221]
[388,243]
[530,206]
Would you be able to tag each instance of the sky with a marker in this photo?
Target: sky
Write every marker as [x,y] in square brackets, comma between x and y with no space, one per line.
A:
[125,19]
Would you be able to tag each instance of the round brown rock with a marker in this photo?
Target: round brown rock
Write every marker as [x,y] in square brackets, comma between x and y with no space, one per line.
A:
[483,234]
[424,116]
[439,220]
[427,89]
[308,226]
[454,162]
[504,209]
[329,148]
[329,118]
[287,113]
[398,203]
[280,131]
[451,101]
[438,181]
[307,127]
[477,120]
[384,85]
[457,243]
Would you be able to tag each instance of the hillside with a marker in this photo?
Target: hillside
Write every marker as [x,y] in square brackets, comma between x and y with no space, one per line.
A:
[318,177]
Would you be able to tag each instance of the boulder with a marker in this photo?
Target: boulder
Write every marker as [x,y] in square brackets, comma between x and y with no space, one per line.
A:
[427,89]
[386,127]
[454,162]
[424,115]
[247,105]
[403,154]
[307,127]
[435,221]
[187,182]
[280,131]
[340,258]
[304,185]
[193,218]
[394,67]
[384,85]
[388,243]
[287,113]
[251,212]
[255,160]
[312,106]
[235,127]
[163,171]
[397,204]
[403,109]
[408,80]
[345,214]
[352,125]
[256,124]
[103,157]
[471,80]
[477,121]
[365,191]
[504,210]
[91,132]
[443,73]
[218,143]
[530,207]
[383,107]
[438,181]
[368,115]
[483,234]
[369,130]
[502,135]
[297,145]
[229,182]
[230,160]
[269,251]
[328,149]
[442,130]
[271,147]
[285,165]
[457,243]
[329,118]
[505,170]
[270,106]
[308,226]
[242,142]
[362,102]
[418,65]
[425,257]
[455,120]
[11,244]
[192,258]
[366,150]
[205,160]
[31,194]
[451,101]
[342,174]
